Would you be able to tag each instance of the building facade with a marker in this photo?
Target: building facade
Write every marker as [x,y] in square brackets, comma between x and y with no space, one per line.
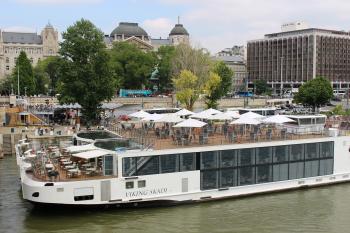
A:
[37,47]
[289,58]
[133,33]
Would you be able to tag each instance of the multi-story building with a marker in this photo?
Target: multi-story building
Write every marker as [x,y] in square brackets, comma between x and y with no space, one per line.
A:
[297,54]
[238,66]
[236,50]
[133,33]
[37,47]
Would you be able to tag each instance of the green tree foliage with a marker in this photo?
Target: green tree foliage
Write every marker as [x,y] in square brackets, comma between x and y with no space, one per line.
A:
[165,55]
[6,85]
[86,74]
[51,67]
[213,90]
[226,75]
[26,75]
[261,87]
[187,88]
[315,92]
[131,66]
[195,60]
[41,80]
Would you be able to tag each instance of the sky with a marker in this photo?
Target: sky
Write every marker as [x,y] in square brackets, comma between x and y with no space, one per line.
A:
[212,24]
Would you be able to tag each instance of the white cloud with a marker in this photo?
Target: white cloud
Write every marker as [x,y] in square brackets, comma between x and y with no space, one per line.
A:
[159,27]
[58,2]
[224,23]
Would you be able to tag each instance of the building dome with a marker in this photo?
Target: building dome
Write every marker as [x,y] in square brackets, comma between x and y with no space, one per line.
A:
[178,30]
[128,30]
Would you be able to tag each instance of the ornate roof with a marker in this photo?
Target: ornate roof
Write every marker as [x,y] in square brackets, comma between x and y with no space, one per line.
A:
[178,30]
[129,29]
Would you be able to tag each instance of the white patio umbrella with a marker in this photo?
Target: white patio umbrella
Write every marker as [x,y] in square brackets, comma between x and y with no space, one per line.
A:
[220,117]
[252,115]
[211,111]
[153,117]
[201,115]
[170,118]
[190,123]
[139,114]
[233,114]
[277,119]
[184,112]
[245,121]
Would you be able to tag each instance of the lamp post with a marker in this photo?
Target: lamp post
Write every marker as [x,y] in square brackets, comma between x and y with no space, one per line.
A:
[18,92]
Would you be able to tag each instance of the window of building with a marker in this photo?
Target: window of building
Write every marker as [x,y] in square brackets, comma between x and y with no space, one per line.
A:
[326,149]
[129,166]
[326,167]
[296,170]
[280,172]
[311,168]
[7,67]
[129,184]
[280,154]
[296,152]
[228,177]
[311,151]
[141,184]
[7,60]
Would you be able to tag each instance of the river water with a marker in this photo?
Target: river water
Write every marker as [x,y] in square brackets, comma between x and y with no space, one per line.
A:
[324,209]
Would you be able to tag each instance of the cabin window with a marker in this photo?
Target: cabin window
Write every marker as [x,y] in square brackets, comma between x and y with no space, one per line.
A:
[296,152]
[326,149]
[147,165]
[326,167]
[280,154]
[141,183]
[320,120]
[187,162]
[209,179]
[108,165]
[228,158]
[296,170]
[305,121]
[209,160]
[311,151]
[311,168]
[263,155]
[246,176]
[280,172]
[228,177]
[129,166]
[129,185]
[263,173]
[246,157]
[169,163]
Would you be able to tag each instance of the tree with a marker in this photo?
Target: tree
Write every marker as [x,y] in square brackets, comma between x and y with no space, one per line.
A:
[51,66]
[261,87]
[315,92]
[226,75]
[131,66]
[165,55]
[213,90]
[195,60]
[6,85]
[86,75]
[41,80]
[25,76]
[187,88]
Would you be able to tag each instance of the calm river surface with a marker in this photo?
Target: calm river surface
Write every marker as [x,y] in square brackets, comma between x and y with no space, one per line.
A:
[314,210]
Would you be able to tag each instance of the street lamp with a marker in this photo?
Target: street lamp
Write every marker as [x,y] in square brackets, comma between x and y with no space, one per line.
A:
[18,92]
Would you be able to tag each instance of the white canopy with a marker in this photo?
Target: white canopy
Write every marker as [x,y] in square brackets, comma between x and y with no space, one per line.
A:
[184,112]
[220,117]
[139,114]
[75,149]
[245,121]
[189,123]
[170,118]
[92,154]
[153,117]
[251,115]
[277,119]
[233,114]
[211,111]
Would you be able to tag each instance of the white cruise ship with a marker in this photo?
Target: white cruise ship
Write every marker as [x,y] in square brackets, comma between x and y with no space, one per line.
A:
[145,167]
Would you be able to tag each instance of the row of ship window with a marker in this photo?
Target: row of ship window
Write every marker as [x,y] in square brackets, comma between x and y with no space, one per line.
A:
[289,155]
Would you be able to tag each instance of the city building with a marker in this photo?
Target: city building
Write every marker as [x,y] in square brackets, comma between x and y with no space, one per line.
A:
[289,58]
[37,47]
[236,50]
[238,65]
[133,33]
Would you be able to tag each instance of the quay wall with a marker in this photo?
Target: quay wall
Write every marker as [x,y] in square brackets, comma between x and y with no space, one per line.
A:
[147,102]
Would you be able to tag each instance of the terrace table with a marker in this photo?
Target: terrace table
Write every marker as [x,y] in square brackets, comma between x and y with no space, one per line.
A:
[67,162]
[49,166]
